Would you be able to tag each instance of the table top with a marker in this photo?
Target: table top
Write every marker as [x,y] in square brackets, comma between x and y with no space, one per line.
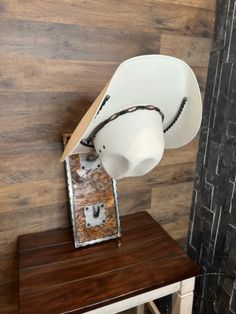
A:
[54,277]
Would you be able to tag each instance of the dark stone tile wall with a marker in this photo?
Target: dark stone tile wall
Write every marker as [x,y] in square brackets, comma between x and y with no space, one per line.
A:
[212,229]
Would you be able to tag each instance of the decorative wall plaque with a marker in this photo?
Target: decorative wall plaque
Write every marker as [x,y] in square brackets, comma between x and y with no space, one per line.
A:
[93,199]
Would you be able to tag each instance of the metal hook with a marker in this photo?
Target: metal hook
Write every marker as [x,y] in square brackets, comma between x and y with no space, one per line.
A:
[96,211]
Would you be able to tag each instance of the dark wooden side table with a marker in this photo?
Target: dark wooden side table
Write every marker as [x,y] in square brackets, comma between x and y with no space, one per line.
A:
[143,265]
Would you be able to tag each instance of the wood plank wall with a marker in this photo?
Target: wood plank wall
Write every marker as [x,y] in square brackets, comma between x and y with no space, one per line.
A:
[55,56]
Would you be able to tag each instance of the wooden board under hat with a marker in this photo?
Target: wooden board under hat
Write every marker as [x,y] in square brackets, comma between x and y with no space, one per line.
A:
[76,136]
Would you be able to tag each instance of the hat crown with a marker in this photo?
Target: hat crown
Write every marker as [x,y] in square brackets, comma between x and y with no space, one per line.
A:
[131,145]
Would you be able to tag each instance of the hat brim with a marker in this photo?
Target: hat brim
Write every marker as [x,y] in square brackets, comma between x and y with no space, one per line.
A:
[157,80]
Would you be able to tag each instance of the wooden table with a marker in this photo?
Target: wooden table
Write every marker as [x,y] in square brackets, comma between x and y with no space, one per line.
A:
[145,264]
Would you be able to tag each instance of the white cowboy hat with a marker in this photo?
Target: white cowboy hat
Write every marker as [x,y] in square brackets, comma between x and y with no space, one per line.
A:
[152,102]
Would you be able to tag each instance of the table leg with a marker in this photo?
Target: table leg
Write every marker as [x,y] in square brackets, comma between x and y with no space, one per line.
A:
[140,309]
[152,308]
[182,301]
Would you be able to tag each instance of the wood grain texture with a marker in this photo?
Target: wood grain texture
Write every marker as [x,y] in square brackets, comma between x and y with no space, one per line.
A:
[145,258]
[193,50]
[73,42]
[46,75]
[55,56]
[167,16]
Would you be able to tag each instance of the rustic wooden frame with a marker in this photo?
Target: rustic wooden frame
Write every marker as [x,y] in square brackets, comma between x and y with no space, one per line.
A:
[111,228]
